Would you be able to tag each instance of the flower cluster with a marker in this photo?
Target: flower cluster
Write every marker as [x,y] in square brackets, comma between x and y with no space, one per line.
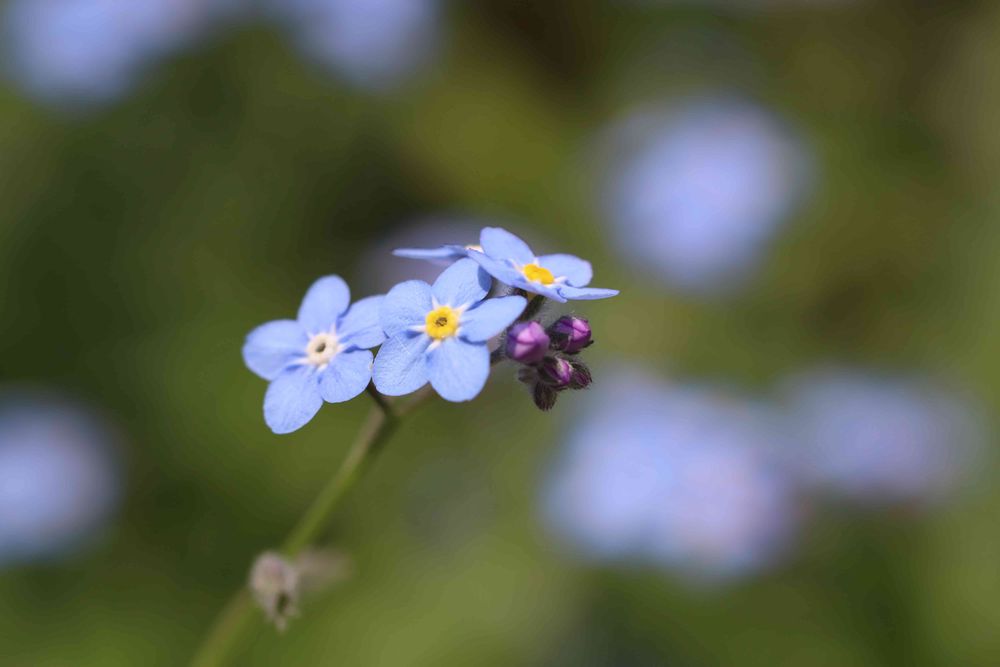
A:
[426,334]
[551,364]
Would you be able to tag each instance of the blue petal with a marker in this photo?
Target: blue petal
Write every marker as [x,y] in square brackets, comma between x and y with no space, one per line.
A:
[586,293]
[442,255]
[292,399]
[548,291]
[406,305]
[401,364]
[346,376]
[500,270]
[361,327]
[490,318]
[500,244]
[553,292]
[458,370]
[577,272]
[272,347]
[323,304]
[461,284]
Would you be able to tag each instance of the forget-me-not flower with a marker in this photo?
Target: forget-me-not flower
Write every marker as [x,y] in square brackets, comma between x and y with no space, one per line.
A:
[324,355]
[376,44]
[678,476]
[880,439]
[510,260]
[438,333]
[697,193]
[60,478]
[80,52]
[558,277]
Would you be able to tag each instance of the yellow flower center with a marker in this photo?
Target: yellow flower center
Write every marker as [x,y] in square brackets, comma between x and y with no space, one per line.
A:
[538,274]
[442,322]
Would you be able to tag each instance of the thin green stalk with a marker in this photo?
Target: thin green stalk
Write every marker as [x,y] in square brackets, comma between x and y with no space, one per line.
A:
[533,308]
[236,616]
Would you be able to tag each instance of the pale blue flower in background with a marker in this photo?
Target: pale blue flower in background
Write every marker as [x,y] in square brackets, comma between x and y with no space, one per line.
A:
[680,477]
[375,44]
[695,192]
[84,52]
[60,478]
[880,439]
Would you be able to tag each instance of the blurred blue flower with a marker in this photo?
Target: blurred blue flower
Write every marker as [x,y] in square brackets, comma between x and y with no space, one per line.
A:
[59,476]
[373,43]
[439,334]
[509,259]
[880,439]
[324,355]
[695,193]
[81,52]
[680,477]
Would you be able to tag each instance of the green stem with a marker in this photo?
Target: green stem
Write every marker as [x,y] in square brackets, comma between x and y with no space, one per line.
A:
[236,616]
[533,308]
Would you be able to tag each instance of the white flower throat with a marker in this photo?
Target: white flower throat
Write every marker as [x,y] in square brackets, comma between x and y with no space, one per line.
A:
[321,348]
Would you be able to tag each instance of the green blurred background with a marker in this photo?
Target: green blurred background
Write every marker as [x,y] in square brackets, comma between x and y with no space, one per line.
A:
[141,241]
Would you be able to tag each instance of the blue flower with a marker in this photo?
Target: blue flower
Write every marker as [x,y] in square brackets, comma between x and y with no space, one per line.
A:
[679,476]
[880,439]
[376,44]
[324,355]
[697,193]
[558,277]
[509,259]
[87,52]
[60,477]
[438,334]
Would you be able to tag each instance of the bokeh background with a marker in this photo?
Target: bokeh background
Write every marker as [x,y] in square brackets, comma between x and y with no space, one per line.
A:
[787,456]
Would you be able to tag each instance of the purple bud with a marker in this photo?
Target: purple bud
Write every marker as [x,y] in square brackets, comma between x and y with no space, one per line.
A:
[556,372]
[570,334]
[545,397]
[527,342]
[581,377]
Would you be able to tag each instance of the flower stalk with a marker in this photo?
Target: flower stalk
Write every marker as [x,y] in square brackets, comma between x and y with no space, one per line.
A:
[238,613]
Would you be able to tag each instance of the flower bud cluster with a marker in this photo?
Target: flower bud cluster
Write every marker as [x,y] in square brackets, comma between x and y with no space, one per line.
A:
[549,357]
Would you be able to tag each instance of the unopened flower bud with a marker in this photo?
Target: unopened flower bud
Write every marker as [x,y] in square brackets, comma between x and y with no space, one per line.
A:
[570,334]
[580,377]
[556,372]
[544,396]
[527,343]
[274,583]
